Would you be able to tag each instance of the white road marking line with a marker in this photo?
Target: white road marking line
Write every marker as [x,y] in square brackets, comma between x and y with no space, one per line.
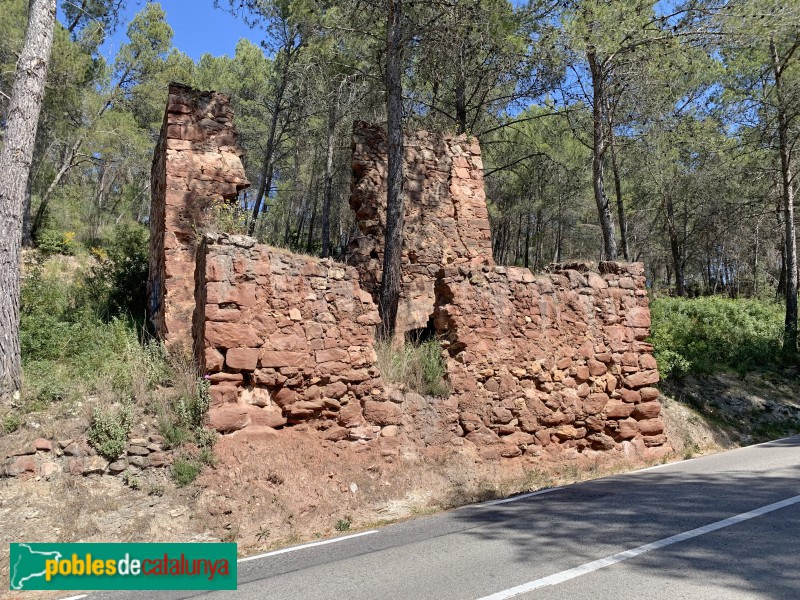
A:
[589,567]
[311,545]
[688,460]
[520,497]
[74,597]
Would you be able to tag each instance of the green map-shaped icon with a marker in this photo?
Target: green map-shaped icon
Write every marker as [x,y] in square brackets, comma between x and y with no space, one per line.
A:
[27,564]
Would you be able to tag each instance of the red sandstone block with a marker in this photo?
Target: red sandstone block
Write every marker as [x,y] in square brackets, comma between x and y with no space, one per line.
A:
[223,393]
[334,354]
[628,429]
[229,378]
[649,393]
[642,378]
[245,359]
[279,358]
[597,368]
[213,360]
[646,410]
[291,342]
[218,268]
[595,403]
[286,396]
[231,335]
[230,417]
[229,315]
[176,199]
[630,396]
[383,413]
[651,426]
[615,409]
[646,361]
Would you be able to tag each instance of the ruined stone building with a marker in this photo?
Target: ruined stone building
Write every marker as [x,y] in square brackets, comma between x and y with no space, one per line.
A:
[554,360]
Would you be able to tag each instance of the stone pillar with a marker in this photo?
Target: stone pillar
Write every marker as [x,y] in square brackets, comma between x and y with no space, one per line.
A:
[197,162]
[446,219]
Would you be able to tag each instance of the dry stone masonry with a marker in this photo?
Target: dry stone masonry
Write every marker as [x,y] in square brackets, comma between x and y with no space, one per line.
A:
[446,220]
[283,338]
[558,358]
[536,363]
[197,162]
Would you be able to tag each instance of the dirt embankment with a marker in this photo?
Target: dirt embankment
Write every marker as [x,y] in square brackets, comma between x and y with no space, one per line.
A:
[268,489]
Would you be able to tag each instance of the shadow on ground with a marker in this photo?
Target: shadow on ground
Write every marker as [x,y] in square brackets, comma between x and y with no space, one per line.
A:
[598,518]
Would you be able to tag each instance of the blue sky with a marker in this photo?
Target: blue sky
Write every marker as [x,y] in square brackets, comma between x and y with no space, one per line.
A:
[199,27]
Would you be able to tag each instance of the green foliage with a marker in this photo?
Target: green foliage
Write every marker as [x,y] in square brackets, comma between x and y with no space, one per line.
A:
[206,456]
[343,525]
[108,430]
[183,419]
[11,422]
[227,217]
[54,242]
[420,367]
[185,471]
[68,350]
[704,335]
[131,480]
[118,284]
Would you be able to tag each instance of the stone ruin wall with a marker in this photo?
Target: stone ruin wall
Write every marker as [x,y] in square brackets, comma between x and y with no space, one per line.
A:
[446,220]
[283,338]
[536,362]
[197,162]
[553,360]
[557,359]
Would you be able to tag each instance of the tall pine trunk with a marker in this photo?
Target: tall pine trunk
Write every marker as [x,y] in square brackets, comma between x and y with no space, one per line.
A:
[623,221]
[392,281]
[787,193]
[267,169]
[327,193]
[15,165]
[598,157]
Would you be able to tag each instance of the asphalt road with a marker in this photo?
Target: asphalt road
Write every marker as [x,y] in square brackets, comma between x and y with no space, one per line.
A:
[725,526]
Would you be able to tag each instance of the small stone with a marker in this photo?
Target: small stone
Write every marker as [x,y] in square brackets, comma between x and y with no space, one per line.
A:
[72,449]
[361,433]
[154,447]
[43,445]
[158,459]
[137,441]
[75,466]
[353,488]
[389,431]
[139,461]
[64,443]
[19,465]
[50,470]
[138,451]
[156,439]
[295,314]
[118,466]
[94,465]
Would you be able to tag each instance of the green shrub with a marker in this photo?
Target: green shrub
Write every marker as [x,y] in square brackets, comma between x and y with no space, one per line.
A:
[118,284]
[69,350]
[11,422]
[49,242]
[420,367]
[108,430]
[185,471]
[131,480]
[343,525]
[183,419]
[704,335]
